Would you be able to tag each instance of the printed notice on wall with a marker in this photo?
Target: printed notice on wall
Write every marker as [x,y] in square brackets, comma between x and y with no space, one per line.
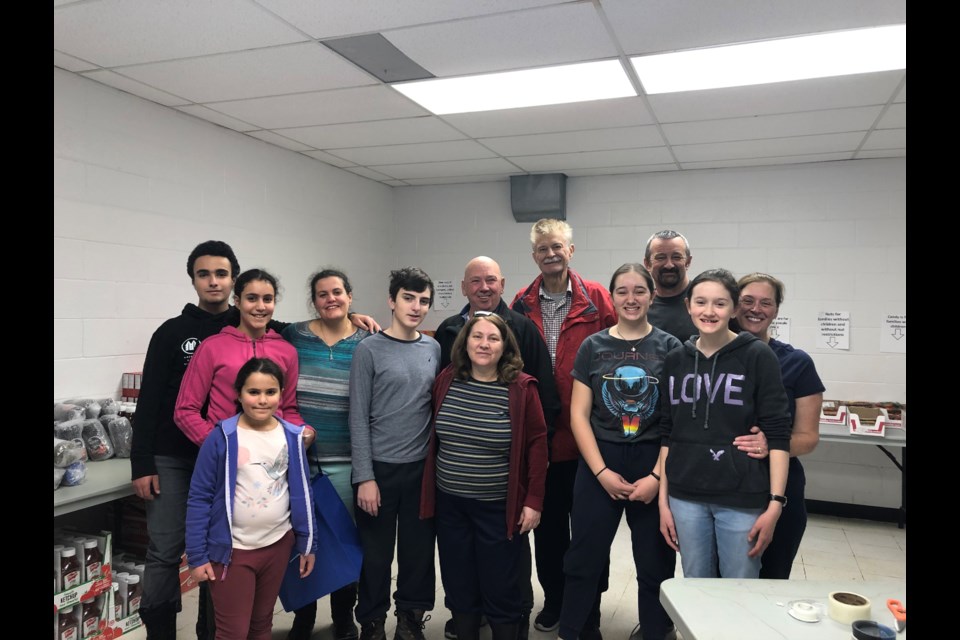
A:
[780,329]
[893,333]
[443,297]
[833,330]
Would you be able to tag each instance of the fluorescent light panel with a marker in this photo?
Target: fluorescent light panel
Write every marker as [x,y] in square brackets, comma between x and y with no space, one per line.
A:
[815,56]
[526,88]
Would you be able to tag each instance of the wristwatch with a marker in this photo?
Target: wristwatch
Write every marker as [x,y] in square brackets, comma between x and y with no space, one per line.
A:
[781,499]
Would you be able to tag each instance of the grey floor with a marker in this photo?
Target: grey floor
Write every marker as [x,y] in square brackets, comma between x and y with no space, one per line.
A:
[832,548]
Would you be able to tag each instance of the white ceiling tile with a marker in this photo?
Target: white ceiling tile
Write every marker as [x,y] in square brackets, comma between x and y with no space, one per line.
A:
[70,63]
[332,19]
[280,141]
[217,118]
[774,126]
[609,171]
[422,152]
[448,169]
[895,117]
[296,68]
[459,179]
[118,81]
[593,159]
[536,38]
[378,133]
[757,162]
[326,107]
[369,173]
[329,159]
[882,153]
[118,32]
[574,141]
[887,139]
[800,145]
[616,112]
[668,25]
[783,97]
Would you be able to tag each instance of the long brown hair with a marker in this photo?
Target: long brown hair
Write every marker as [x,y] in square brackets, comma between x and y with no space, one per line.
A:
[510,364]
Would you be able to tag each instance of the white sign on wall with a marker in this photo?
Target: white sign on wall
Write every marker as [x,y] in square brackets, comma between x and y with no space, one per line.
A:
[833,330]
[780,329]
[893,333]
[443,294]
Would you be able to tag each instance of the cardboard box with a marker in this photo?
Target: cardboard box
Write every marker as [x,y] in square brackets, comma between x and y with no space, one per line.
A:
[838,412]
[868,421]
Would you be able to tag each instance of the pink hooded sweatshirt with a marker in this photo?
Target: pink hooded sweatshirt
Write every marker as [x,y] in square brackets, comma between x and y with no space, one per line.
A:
[213,370]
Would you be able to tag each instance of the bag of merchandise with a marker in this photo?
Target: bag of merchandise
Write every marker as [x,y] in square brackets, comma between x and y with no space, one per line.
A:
[121,434]
[75,474]
[109,407]
[68,430]
[64,411]
[66,452]
[58,477]
[99,446]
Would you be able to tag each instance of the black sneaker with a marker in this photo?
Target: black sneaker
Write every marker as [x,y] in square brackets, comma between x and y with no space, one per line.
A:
[373,630]
[450,630]
[410,624]
[546,620]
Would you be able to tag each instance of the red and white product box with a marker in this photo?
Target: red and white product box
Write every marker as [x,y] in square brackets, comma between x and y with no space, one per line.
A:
[95,591]
[839,418]
[868,425]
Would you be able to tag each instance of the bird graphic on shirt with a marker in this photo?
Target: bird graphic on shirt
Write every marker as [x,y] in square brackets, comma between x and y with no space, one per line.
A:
[276,471]
[630,394]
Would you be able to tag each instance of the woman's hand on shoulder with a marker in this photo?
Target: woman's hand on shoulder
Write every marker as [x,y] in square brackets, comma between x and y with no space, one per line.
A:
[365,322]
[529,519]
[309,435]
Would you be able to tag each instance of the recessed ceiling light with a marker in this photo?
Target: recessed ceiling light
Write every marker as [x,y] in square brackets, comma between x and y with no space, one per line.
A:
[815,56]
[526,88]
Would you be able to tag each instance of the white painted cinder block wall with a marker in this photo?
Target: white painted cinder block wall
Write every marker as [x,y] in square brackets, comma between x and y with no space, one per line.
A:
[835,233]
[137,185]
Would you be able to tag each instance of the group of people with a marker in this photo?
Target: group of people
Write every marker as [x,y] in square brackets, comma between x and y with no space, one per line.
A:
[659,397]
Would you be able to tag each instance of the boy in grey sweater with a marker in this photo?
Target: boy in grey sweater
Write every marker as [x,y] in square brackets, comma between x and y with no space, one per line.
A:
[391,379]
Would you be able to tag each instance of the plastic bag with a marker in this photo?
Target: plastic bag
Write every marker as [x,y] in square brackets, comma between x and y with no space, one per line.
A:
[109,407]
[64,411]
[95,437]
[93,409]
[66,452]
[75,474]
[83,449]
[121,434]
[68,430]
[58,477]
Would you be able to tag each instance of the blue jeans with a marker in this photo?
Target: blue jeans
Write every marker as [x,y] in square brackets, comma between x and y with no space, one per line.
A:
[708,532]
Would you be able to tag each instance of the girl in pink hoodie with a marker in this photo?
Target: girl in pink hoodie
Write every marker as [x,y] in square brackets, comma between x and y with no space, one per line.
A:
[212,371]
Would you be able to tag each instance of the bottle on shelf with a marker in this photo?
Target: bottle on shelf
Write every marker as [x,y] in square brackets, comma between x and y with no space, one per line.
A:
[70,571]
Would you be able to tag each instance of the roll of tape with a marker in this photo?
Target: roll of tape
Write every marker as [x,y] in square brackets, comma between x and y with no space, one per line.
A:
[845,607]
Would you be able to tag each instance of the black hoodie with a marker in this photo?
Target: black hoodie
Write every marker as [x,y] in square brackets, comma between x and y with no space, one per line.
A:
[705,404]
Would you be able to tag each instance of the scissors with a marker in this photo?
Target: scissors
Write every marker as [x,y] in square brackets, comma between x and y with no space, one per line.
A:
[899,613]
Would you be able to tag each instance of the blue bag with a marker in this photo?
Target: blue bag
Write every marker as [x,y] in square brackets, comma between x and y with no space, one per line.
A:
[339,554]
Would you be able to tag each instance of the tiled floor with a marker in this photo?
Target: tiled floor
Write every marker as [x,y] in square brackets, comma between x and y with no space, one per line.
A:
[832,548]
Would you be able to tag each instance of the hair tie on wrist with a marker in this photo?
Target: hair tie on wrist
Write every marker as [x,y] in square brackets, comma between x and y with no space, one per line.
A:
[654,474]
[597,474]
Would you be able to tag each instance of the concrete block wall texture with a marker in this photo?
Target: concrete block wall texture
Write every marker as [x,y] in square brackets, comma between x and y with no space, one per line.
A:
[137,185]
